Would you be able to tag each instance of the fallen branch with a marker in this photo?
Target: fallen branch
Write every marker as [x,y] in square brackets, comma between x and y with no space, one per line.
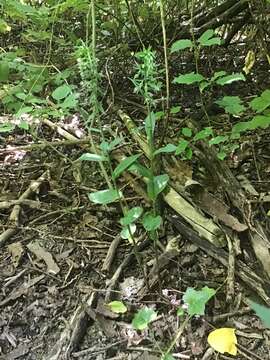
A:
[15,214]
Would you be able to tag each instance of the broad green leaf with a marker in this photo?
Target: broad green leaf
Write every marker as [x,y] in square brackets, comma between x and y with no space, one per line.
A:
[218,139]
[143,318]
[203,85]
[206,36]
[262,102]
[92,157]
[70,102]
[231,104]
[183,144]
[218,74]
[262,311]
[187,132]
[259,121]
[117,307]
[197,299]
[4,71]
[175,109]
[240,127]
[181,45]
[156,185]
[61,92]
[230,79]
[6,127]
[207,39]
[188,79]
[24,110]
[223,340]
[128,231]
[188,153]
[221,155]
[151,222]
[131,216]
[141,170]
[124,165]
[105,196]
[203,134]
[159,115]
[23,125]
[169,148]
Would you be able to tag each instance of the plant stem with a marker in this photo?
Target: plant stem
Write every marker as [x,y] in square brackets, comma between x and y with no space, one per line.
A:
[178,334]
[167,105]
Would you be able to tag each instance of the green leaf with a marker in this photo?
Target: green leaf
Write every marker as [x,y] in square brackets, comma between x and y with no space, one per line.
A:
[218,74]
[92,157]
[259,121]
[131,216]
[197,299]
[188,79]
[262,102]
[4,71]
[24,110]
[181,147]
[262,311]
[167,357]
[218,139]
[61,92]
[70,102]
[128,231]
[188,153]
[143,318]
[180,311]
[23,125]
[207,39]
[169,148]
[6,127]
[240,127]
[221,155]
[230,79]
[203,134]
[151,222]
[156,185]
[187,132]
[141,170]
[150,123]
[117,307]
[105,196]
[231,104]
[124,165]
[181,45]
[203,85]
[175,109]
[109,146]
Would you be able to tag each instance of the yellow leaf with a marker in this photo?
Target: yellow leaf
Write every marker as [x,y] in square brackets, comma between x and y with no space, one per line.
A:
[223,340]
[249,61]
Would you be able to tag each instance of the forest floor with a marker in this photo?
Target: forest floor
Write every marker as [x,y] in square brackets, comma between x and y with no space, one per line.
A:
[53,262]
